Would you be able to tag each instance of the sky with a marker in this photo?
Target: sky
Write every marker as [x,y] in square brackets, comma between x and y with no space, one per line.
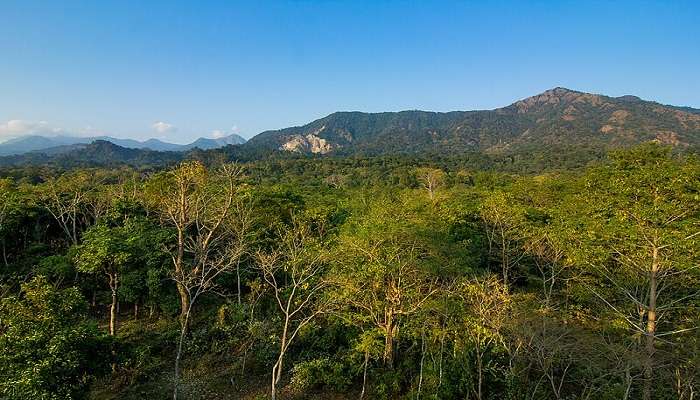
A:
[179,70]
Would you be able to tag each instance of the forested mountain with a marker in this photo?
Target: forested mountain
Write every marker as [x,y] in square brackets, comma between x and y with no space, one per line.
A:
[57,144]
[550,128]
[99,153]
[554,118]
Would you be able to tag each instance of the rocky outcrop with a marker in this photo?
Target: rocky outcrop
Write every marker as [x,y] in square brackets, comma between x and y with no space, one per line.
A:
[309,143]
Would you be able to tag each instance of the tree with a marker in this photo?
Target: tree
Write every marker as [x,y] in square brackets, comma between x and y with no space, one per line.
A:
[503,220]
[384,271]
[294,271]
[73,200]
[641,222]
[8,197]
[47,349]
[486,305]
[431,179]
[211,222]
[199,205]
[106,250]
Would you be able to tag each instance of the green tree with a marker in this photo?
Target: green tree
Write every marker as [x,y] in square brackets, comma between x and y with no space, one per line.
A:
[640,220]
[107,250]
[47,349]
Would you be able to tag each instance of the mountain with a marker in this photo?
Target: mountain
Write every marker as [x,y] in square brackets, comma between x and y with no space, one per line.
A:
[54,144]
[554,118]
[207,144]
[557,123]
[100,153]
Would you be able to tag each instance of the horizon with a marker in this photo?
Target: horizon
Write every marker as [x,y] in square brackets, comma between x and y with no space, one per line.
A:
[176,72]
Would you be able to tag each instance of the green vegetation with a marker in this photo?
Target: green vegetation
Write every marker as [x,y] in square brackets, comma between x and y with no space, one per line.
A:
[386,277]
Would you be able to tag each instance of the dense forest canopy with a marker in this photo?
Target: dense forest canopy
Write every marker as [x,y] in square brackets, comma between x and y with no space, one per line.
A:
[441,276]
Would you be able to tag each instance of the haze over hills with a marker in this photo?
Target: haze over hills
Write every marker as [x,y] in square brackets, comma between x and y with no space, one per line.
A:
[556,117]
[59,144]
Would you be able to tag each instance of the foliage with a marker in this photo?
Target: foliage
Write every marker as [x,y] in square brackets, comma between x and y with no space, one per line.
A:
[47,348]
[427,275]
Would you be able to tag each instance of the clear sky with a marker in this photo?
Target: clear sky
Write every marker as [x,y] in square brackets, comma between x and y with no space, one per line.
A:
[179,70]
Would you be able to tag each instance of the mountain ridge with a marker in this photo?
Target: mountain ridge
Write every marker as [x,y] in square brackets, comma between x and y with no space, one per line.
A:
[554,117]
[54,144]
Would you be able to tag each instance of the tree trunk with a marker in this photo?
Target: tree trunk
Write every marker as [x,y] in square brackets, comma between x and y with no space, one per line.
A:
[276,375]
[273,384]
[113,285]
[651,325]
[4,252]
[277,368]
[389,341]
[184,304]
[364,375]
[178,355]
[238,281]
[181,289]
[480,374]
[422,360]
[136,310]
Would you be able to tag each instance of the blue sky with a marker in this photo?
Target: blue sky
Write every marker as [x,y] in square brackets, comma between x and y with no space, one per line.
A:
[179,70]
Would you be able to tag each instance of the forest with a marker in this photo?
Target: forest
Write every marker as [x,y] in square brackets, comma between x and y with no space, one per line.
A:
[353,278]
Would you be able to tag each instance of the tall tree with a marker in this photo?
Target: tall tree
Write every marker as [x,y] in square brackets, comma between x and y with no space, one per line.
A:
[486,305]
[210,222]
[294,272]
[503,219]
[106,250]
[641,217]
[385,270]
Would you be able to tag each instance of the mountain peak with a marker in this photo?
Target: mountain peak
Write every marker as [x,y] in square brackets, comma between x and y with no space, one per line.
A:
[561,91]
[629,98]
[557,96]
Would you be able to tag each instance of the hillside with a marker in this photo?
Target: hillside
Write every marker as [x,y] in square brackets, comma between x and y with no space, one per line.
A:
[558,128]
[99,153]
[554,118]
[56,144]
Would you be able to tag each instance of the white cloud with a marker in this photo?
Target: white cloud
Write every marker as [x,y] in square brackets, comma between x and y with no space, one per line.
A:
[18,127]
[163,127]
[219,133]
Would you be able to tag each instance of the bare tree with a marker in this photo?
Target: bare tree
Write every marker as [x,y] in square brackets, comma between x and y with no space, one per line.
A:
[431,179]
[503,221]
[294,272]
[201,209]
[549,260]
[73,202]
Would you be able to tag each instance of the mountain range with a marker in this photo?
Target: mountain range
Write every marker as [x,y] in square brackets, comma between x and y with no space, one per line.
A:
[62,144]
[553,118]
[545,123]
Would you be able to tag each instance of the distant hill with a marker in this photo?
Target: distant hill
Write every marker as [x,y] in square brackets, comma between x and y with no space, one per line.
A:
[100,153]
[56,144]
[557,117]
[557,127]
[208,144]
